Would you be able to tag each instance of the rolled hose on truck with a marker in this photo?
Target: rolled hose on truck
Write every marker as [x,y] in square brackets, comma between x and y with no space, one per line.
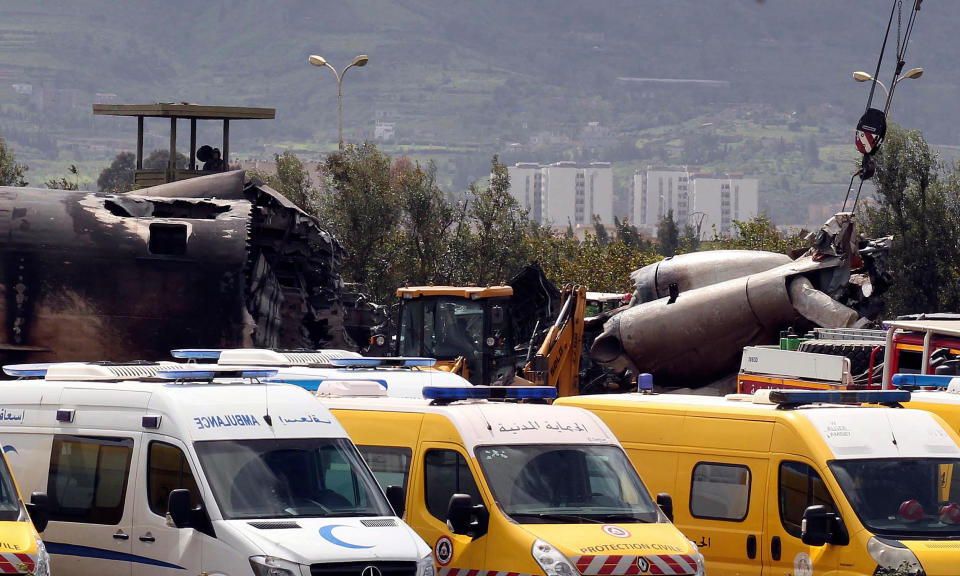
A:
[858,352]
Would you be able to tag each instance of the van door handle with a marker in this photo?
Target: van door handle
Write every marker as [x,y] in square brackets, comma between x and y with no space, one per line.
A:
[148,537]
[775,548]
[751,546]
[119,535]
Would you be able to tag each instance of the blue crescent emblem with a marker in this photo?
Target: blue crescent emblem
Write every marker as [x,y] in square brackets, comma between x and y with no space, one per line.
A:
[9,448]
[327,534]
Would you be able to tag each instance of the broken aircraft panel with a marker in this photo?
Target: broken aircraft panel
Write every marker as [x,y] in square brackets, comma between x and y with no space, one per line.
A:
[87,276]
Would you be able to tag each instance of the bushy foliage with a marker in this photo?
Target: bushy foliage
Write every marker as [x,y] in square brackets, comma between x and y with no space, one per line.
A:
[118,176]
[11,172]
[917,200]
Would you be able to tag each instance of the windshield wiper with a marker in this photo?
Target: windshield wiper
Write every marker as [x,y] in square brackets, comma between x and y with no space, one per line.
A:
[557,516]
[619,517]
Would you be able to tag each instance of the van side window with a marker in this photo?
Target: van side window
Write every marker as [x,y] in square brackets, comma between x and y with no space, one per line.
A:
[446,473]
[88,478]
[168,470]
[800,487]
[389,464]
[720,491]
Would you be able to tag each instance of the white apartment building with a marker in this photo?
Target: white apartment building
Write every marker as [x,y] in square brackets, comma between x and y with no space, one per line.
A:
[526,185]
[658,190]
[723,199]
[564,192]
[703,201]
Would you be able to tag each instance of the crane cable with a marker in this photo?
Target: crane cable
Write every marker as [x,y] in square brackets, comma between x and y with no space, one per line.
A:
[868,165]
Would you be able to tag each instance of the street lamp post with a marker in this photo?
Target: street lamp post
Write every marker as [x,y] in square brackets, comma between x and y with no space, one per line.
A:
[359,61]
[861,76]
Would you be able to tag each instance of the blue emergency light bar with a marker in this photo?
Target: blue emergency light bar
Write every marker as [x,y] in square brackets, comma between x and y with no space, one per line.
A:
[196,353]
[26,370]
[446,394]
[799,397]
[923,380]
[383,362]
[313,384]
[211,372]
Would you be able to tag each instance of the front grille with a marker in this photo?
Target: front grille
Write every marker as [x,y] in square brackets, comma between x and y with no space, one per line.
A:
[357,568]
[379,522]
[274,525]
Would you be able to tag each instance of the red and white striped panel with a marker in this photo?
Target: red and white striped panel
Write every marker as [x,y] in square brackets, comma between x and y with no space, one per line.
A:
[469,572]
[11,563]
[613,565]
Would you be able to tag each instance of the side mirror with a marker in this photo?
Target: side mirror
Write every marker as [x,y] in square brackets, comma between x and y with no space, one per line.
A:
[465,517]
[396,497]
[816,526]
[459,511]
[39,510]
[665,502]
[178,508]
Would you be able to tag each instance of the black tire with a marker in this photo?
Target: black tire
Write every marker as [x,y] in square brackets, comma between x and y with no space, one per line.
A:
[857,351]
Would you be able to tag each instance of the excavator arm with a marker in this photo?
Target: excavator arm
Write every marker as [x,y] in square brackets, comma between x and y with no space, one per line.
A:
[557,362]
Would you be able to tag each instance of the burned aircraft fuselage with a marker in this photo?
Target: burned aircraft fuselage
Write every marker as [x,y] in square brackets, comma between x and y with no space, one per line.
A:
[88,276]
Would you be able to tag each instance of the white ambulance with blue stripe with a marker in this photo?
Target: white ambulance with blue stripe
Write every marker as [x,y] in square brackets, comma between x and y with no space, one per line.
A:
[155,470]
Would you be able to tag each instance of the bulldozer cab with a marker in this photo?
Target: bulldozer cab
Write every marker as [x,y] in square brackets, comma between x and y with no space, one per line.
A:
[453,323]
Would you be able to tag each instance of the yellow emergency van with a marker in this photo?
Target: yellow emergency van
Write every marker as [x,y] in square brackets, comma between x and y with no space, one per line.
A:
[501,488]
[21,549]
[799,482]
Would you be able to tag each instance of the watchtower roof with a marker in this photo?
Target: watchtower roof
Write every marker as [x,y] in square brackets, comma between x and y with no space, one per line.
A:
[184,110]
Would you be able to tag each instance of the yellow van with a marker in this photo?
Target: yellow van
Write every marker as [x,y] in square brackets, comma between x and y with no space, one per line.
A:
[514,489]
[798,482]
[21,549]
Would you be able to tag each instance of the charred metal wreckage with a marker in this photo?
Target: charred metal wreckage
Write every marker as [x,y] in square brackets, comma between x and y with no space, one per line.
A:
[210,261]
[691,315]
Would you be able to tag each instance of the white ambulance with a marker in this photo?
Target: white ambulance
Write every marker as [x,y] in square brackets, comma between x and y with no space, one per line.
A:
[334,371]
[152,470]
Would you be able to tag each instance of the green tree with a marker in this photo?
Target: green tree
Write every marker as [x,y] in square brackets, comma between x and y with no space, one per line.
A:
[917,200]
[428,218]
[11,172]
[292,180]
[690,239]
[158,159]
[361,205]
[628,233]
[758,233]
[668,235]
[118,176]
[498,245]
[600,230]
[63,183]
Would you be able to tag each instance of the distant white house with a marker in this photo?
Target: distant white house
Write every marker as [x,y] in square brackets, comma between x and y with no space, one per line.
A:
[384,131]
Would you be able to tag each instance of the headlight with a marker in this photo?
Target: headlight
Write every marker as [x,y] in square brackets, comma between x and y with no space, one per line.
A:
[551,560]
[701,563]
[43,560]
[270,566]
[425,566]
[892,557]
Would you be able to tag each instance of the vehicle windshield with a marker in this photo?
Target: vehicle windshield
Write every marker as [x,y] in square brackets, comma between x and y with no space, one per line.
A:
[290,478]
[905,498]
[9,500]
[451,327]
[556,484]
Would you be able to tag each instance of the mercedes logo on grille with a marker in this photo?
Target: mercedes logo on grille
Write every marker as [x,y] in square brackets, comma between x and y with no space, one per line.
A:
[371,571]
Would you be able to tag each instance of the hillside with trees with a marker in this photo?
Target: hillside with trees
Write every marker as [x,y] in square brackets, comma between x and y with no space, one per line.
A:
[530,81]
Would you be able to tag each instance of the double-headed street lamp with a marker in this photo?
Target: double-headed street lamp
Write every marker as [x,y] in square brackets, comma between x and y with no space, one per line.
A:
[861,76]
[360,60]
